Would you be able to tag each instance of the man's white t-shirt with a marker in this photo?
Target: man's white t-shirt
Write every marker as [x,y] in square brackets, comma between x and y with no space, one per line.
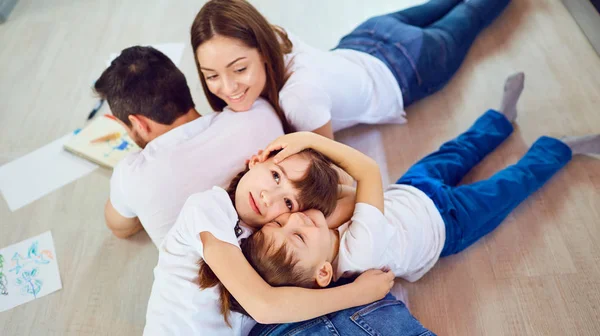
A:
[345,86]
[408,238]
[154,183]
[177,305]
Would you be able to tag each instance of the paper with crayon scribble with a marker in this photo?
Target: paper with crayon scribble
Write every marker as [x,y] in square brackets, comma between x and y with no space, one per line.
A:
[28,271]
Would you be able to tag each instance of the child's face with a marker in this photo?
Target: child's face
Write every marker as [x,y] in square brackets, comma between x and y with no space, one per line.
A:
[267,190]
[305,234]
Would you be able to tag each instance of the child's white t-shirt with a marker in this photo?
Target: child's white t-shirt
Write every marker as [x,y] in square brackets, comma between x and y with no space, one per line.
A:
[408,238]
[177,305]
[345,86]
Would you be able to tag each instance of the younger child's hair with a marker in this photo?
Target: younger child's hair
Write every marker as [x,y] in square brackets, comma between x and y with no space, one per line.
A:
[276,264]
[318,189]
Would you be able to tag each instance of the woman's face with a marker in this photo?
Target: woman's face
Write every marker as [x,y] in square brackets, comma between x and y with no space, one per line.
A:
[232,71]
[267,190]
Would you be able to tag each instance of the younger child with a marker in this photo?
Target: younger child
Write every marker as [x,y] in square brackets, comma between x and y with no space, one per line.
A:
[423,217]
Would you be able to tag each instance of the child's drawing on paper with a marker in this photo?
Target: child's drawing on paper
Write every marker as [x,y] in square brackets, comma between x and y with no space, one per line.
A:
[31,272]
[27,268]
[103,141]
[28,284]
[3,279]
[122,144]
[34,256]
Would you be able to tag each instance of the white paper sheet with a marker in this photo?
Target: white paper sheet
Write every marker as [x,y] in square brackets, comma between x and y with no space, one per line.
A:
[40,172]
[28,271]
[173,50]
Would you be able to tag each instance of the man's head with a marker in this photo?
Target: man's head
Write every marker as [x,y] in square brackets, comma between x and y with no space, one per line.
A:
[302,181]
[146,92]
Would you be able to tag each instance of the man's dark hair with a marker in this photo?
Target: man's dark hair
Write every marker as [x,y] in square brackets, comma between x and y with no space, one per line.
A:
[144,81]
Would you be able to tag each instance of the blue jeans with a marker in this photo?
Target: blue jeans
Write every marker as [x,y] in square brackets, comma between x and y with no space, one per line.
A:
[424,45]
[385,317]
[471,211]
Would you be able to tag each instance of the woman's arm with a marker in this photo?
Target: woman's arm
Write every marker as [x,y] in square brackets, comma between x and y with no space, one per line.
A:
[325,130]
[267,304]
[362,168]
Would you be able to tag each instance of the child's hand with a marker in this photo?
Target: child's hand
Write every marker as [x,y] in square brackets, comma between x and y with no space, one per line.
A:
[374,284]
[290,144]
[255,158]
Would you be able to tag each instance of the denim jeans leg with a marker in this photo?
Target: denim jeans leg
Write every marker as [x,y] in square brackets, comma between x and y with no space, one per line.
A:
[480,207]
[424,53]
[446,44]
[425,14]
[384,317]
[457,157]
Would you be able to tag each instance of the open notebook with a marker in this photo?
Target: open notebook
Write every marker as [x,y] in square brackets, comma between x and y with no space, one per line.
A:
[105,153]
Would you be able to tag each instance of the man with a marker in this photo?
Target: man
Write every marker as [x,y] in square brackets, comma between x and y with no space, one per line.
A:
[182,152]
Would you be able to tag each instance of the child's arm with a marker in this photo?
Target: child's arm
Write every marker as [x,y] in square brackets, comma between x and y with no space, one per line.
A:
[345,178]
[344,207]
[267,304]
[362,168]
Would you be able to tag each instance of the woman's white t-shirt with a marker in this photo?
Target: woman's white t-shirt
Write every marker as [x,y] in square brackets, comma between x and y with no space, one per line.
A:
[345,86]
[177,306]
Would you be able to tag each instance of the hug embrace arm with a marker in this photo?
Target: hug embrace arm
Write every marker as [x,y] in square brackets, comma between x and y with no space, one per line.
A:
[362,168]
[267,304]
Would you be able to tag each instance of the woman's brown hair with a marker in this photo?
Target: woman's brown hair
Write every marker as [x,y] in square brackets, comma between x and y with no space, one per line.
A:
[239,20]
[318,189]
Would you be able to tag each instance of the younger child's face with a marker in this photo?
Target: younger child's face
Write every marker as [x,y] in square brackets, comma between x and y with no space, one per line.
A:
[305,234]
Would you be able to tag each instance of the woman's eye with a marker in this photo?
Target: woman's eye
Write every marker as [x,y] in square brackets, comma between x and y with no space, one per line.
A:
[240,70]
[211,77]
[289,204]
[276,177]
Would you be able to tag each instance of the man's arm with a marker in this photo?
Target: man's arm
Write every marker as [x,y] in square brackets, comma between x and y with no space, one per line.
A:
[122,227]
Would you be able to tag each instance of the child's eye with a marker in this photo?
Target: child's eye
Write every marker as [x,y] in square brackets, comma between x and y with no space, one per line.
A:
[276,222]
[289,204]
[300,236]
[240,70]
[275,176]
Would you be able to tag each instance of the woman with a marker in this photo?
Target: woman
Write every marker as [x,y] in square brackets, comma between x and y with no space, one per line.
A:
[385,64]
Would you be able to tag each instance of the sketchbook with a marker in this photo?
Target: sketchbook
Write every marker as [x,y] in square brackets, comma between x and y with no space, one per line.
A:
[106,153]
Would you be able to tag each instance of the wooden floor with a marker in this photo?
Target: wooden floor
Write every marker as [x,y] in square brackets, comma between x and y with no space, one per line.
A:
[538,274]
